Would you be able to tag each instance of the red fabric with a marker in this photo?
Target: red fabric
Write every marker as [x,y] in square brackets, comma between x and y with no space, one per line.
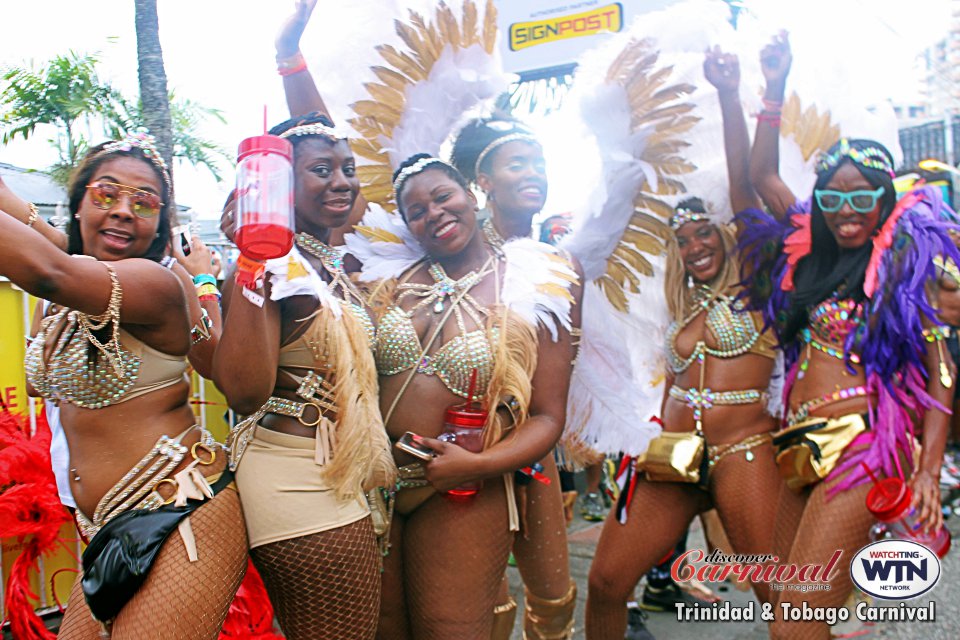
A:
[29,506]
[251,614]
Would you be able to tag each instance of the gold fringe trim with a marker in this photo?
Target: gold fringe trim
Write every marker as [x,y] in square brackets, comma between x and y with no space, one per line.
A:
[361,456]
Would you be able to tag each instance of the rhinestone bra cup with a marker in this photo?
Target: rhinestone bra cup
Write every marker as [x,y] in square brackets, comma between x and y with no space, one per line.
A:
[731,327]
[399,348]
[70,375]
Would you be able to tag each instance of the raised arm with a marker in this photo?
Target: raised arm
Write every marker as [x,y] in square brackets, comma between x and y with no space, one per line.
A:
[775,60]
[722,70]
[21,210]
[298,85]
[151,296]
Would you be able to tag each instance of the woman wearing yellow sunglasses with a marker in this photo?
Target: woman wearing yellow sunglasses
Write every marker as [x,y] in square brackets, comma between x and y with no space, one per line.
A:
[167,545]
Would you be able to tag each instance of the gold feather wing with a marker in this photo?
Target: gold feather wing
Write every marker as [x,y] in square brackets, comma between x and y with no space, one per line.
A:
[815,132]
[659,106]
[423,43]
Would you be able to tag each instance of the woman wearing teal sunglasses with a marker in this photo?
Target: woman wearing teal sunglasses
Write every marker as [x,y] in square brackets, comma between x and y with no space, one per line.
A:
[867,375]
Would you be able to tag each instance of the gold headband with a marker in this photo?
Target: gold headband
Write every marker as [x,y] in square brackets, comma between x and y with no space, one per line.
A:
[510,137]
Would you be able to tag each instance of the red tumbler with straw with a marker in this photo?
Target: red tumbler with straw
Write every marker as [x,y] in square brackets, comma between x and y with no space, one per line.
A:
[463,426]
[891,502]
[265,197]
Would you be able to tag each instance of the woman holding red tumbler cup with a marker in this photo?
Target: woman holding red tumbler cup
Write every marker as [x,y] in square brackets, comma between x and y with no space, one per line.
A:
[295,358]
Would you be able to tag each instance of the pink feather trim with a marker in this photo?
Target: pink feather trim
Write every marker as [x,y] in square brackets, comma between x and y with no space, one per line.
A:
[796,246]
[883,240]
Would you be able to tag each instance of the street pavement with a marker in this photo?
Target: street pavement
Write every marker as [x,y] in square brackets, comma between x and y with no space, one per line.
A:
[583,537]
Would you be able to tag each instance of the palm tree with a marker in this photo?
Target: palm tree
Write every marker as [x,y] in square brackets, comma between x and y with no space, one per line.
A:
[64,92]
[186,116]
[67,93]
[154,98]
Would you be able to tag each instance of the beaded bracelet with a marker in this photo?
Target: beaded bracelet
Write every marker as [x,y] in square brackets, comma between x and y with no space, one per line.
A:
[294,64]
[201,331]
[936,333]
[204,278]
[34,214]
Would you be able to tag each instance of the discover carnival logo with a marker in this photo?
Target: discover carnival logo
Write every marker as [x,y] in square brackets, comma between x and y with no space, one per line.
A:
[895,569]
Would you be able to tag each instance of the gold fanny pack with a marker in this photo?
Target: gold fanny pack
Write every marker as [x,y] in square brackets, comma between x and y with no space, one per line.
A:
[808,451]
[675,457]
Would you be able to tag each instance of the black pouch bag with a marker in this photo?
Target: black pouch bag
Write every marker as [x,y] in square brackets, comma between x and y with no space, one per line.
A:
[119,558]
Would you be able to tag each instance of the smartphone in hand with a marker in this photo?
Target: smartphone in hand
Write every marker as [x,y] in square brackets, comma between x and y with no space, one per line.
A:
[413,444]
[182,233]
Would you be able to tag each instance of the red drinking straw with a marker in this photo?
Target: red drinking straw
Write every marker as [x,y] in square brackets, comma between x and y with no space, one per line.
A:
[876,482]
[264,119]
[472,388]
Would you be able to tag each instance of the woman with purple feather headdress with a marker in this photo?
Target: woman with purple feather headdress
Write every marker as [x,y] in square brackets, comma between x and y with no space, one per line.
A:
[848,280]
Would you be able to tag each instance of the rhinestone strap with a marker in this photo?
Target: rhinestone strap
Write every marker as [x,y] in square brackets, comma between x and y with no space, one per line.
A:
[805,409]
[702,399]
[137,488]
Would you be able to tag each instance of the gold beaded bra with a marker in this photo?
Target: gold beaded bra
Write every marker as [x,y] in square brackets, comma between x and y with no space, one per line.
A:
[123,368]
[730,331]
[398,344]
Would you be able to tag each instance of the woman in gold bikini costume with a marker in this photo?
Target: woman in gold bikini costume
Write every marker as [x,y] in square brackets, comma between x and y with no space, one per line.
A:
[295,357]
[456,311]
[720,363]
[112,351]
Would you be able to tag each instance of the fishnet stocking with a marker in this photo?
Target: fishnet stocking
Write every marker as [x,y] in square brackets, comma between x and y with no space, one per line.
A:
[180,599]
[394,623]
[454,557]
[324,585]
[842,522]
[541,550]
[745,494]
[658,515]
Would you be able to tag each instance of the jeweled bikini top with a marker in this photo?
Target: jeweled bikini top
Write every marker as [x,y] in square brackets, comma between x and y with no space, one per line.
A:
[831,322]
[730,331]
[399,347]
[123,368]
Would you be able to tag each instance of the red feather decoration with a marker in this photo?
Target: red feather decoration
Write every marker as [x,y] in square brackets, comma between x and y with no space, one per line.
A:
[29,506]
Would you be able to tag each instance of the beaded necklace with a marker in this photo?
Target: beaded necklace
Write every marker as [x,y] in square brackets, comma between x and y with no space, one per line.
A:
[493,237]
[332,261]
[443,287]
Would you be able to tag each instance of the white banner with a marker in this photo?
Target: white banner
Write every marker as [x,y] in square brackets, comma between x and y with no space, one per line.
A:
[539,34]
